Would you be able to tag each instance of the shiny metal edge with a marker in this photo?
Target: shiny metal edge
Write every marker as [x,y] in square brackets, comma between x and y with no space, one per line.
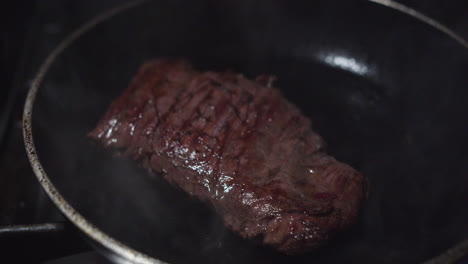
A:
[452,255]
[123,253]
[32,228]
[422,17]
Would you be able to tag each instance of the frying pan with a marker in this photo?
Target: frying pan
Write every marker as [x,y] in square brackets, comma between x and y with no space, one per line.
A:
[383,84]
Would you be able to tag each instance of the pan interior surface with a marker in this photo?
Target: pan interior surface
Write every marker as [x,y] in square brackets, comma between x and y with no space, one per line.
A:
[386,91]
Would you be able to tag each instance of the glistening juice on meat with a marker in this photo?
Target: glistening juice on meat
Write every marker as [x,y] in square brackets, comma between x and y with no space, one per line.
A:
[238,145]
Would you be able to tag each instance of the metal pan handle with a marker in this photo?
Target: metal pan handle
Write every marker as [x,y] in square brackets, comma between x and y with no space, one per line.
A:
[40,242]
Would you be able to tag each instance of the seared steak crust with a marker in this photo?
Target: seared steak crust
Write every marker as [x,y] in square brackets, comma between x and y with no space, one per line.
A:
[238,145]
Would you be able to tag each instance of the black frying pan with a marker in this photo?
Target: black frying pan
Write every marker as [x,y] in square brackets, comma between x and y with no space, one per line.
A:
[387,90]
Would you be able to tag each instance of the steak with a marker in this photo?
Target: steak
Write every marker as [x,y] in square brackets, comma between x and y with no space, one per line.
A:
[238,145]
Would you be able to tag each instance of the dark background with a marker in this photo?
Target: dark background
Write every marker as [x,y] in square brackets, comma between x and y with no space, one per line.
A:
[25,22]
[30,30]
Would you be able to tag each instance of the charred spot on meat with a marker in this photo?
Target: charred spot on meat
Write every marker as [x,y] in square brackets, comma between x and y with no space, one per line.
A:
[238,145]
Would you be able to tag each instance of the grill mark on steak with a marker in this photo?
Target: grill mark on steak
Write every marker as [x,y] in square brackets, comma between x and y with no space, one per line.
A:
[238,145]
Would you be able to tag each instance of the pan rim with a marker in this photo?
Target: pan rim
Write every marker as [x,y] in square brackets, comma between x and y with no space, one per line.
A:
[120,252]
